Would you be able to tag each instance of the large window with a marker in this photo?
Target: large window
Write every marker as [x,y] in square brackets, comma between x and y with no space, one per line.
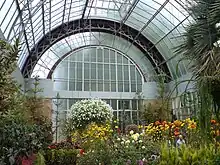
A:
[98,69]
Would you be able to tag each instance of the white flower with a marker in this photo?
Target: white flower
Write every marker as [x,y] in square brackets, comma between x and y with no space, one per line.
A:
[131,132]
[140,141]
[135,136]
[143,147]
[86,111]
[118,139]
[127,141]
[122,142]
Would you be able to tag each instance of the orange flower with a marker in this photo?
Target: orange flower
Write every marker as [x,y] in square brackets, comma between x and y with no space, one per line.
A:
[177,123]
[176,133]
[193,126]
[213,121]
[176,129]
[157,123]
[164,123]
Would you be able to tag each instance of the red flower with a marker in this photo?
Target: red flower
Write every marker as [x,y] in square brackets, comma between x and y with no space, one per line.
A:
[118,131]
[81,151]
[213,121]
[52,147]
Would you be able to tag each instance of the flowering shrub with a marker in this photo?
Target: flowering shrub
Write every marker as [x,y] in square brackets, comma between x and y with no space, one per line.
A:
[85,112]
[93,132]
[167,130]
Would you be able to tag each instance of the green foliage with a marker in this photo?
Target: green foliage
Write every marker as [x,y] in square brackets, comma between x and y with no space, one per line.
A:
[99,153]
[18,138]
[40,160]
[187,155]
[157,109]
[21,134]
[61,156]
[201,48]
[8,87]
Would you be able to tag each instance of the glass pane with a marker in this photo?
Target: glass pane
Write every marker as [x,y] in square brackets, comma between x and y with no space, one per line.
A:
[86,85]
[113,87]
[139,79]
[93,54]
[106,55]
[114,104]
[106,72]
[126,73]
[100,71]
[120,77]
[139,88]
[119,58]
[86,56]
[86,71]
[79,56]
[125,60]
[72,86]
[132,72]
[79,71]
[126,86]
[112,56]
[99,55]
[113,72]
[120,86]
[100,86]
[107,86]
[93,85]
[134,104]
[79,86]
[133,88]
[93,71]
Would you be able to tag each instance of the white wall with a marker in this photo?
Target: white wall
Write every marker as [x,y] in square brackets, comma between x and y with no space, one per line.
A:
[149,91]
[45,84]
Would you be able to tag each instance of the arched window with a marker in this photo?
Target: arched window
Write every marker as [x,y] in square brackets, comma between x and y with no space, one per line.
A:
[98,69]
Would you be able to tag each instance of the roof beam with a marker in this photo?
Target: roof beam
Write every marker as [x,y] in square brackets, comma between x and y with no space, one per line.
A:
[84,10]
[30,18]
[43,19]
[148,22]
[50,16]
[22,23]
[70,10]
[64,11]
[96,25]
[125,18]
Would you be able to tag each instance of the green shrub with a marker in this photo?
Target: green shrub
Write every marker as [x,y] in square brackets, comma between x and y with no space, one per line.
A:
[187,155]
[61,156]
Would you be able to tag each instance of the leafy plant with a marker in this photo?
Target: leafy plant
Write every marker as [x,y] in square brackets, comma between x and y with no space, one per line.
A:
[201,48]
[8,87]
[18,139]
[187,155]
[61,156]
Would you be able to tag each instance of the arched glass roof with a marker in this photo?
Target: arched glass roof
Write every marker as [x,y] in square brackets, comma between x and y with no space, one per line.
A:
[160,21]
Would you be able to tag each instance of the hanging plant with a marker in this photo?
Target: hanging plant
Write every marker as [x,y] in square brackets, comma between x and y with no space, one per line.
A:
[85,112]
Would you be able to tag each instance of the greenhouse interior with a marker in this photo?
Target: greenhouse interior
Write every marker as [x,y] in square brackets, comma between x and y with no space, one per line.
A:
[109,82]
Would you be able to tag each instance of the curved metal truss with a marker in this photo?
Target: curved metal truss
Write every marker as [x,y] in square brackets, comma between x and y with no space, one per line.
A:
[96,25]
